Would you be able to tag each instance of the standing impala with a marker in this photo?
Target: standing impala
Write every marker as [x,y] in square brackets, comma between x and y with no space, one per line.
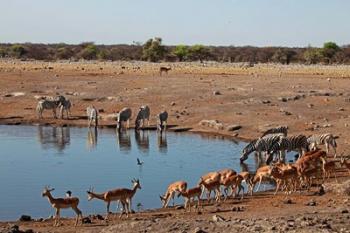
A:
[62,203]
[176,187]
[123,195]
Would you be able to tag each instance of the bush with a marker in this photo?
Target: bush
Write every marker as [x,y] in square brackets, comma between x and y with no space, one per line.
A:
[89,52]
[153,50]
[181,52]
[18,51]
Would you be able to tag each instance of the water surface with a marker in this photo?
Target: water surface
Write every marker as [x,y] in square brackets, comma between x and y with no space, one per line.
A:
[76,158]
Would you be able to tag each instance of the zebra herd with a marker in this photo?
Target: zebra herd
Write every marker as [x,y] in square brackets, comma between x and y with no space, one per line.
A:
[276,142]
[124,115]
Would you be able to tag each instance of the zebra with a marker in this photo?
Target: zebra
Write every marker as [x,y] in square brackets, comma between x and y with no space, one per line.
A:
[280,129]
[162,119]
[46,104]
[142,115]
[65,105]
[123,115]
[92,115]
[260,145]
[327,139]
[297,142]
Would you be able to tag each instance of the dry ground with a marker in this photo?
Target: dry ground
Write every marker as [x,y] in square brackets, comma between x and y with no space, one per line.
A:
[309,99]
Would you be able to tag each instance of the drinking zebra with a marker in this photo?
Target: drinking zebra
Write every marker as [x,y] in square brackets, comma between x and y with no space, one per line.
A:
[260,145]
[142,115]
[162,119]
[280,129]
[92,115]
[65,105]
[297,142]
[327,139]
[123,116]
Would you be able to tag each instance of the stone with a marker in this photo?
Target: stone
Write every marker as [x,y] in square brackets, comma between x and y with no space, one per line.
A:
[25,218]
[345,211]
[233,127]
[172,104]
[288,201]
[311,203]
[216,93]
[218,218]
[199,230]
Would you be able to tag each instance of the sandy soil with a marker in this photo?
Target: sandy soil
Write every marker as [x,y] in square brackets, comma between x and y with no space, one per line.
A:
[309,99]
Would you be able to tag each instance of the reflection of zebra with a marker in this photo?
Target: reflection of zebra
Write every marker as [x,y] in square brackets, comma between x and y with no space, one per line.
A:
[92,138]
[327,139]
[54,137]
[46,104]
[280,129]
[142,115]
[65,105]
[162,119]
[297,142]
[260,145]
[92,115]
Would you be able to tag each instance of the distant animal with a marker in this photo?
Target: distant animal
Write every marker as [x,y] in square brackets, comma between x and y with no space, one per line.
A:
[162,119]
[142,115]
[327,139]
[164,69]
[46,104]
[139,162]
[62,203]
[65,105]
[92,115]
[280,129]
[173,188]
[124,116]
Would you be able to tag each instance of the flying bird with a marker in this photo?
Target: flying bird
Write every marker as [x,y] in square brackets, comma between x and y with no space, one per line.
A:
[139,162]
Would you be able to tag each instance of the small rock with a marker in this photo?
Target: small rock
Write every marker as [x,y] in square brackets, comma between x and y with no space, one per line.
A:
[311,203]
[25,218]
[172,104]
[233,127]
[218,218]
[288,201]
[345,211]
[310,105]
[341,109]
[216,93]
[199,230]
[179,207]
[283,99]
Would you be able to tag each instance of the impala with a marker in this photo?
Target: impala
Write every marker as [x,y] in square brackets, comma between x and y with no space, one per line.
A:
[190,194]
[233,181]
[123,195]
[176,187]
[62,203]
[211,185]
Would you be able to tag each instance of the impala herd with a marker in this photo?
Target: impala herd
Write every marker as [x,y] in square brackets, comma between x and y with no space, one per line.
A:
[289,177]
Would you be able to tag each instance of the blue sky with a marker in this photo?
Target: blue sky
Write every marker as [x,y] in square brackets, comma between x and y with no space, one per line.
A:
[210,22]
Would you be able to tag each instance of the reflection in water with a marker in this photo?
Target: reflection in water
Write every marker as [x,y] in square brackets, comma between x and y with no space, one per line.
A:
[92,138]
[142,140]
[162,142]
[54,137]
[123,140]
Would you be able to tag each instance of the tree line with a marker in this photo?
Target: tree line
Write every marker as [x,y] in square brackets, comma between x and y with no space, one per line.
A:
[154,50]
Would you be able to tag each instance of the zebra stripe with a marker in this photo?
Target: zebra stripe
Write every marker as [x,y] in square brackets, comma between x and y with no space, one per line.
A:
[92,115]
[46,104]
[327,139]
[280,129]
[65,105]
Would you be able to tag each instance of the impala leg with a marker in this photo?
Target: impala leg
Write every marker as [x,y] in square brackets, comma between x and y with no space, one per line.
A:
[259,183]
[78,212]
[57,218]
[107,216]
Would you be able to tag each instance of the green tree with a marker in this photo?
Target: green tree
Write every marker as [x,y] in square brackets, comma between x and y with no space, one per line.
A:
[313,55]
[63,53]
[153,50]
[181,52]
[199,52]
[89,52]
[329,50]
[18,51]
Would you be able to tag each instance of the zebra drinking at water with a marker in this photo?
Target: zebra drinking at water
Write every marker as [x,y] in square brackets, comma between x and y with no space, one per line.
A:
[260,145]
[162,119]
[123,116]
[142,115]
[65,105]
[280,129]
[297,142]
[327,139]
[92,115]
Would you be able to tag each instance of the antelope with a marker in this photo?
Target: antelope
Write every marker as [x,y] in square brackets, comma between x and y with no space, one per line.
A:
[211,176]
[123,195]
[233,181]
[62,203]
[163,69]
[211,185]
[248,180]
[176,187]
[262,172]
[225,173]
[190,194]
[328,167]
[286,175]
[123,116]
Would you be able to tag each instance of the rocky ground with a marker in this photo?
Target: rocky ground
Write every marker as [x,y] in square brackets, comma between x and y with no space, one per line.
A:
[211,98]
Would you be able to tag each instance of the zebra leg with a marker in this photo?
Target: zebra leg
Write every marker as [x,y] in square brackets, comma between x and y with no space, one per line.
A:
[327,148]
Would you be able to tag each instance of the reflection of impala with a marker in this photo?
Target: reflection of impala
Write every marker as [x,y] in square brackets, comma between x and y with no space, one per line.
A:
[62,203]
[123,195]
